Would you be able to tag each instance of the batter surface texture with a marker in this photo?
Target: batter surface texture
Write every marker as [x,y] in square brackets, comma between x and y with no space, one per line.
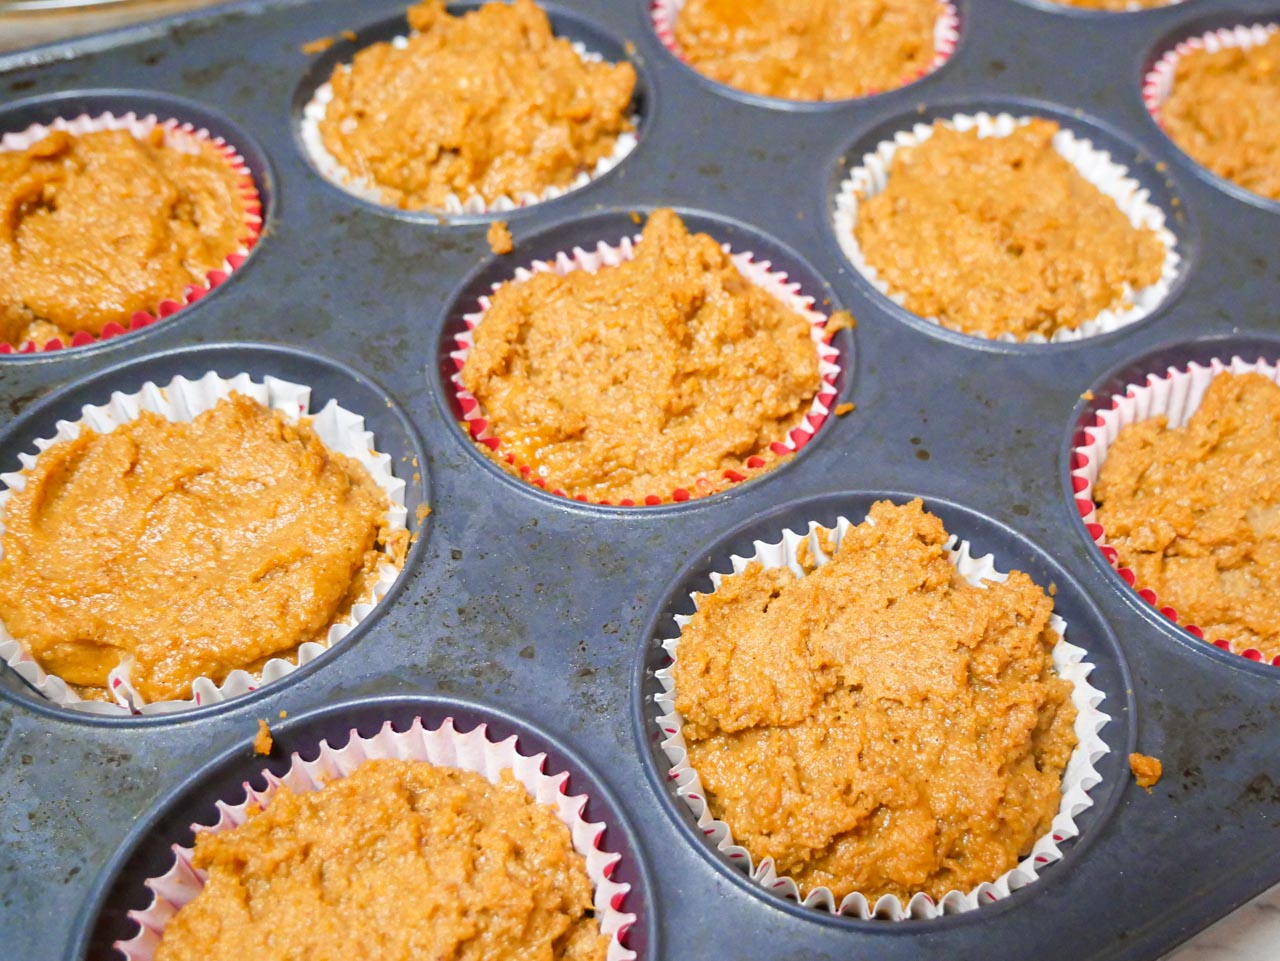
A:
[879,725]
[1194,512]
[809,49]
[402,861]
[663,372]
[1224,110]
[1002,235]
[97,227]
[489,103]
[188,549]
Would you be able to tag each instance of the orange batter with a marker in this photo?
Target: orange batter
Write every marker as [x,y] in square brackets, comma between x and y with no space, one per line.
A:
[1194,512]
[188,549]
[1002,235]
[663,372]
[402,861]
[878,725]
[809,49]
[97,227]
[1224,110]
[488,103]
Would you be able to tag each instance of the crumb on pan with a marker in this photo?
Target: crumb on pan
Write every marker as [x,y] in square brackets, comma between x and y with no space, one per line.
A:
[1146,770]
[262,741]
[499,238]
[319,45]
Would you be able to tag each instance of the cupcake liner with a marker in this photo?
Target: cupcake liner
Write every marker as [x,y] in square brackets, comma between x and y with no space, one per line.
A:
[1096,166]
[182,400]
[186,138]
[1078,779]
[1177,395]
[946,35]
[445,746]
[758,272]
[1157,85]
[316,108]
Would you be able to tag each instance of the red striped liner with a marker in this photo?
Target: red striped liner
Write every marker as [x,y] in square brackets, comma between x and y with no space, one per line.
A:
[1177,395]
[946,36]
[1157,85]
[140,127]
[759,273]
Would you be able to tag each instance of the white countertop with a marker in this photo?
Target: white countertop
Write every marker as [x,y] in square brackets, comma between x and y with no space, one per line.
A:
[1250,933]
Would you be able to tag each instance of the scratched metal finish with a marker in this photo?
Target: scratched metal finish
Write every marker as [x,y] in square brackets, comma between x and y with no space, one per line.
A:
[536,612]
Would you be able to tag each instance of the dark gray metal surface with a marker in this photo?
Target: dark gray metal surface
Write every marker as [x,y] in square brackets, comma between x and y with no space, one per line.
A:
[539,607]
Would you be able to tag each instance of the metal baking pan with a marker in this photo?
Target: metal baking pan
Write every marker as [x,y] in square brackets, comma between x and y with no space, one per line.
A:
[538,615]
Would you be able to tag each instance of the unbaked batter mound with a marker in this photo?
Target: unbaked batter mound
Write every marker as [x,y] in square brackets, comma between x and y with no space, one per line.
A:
[1194,512]
[402,861]
[188,549]
[488,103]
[1002,235]
[1224,110]
[99,226]
[809,49]
[878,725]
[663,372]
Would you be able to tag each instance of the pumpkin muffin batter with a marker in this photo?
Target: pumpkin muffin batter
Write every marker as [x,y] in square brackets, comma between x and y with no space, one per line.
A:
[97,227]
[809,49]
[878,725]
[187,549]
[663,372]
[421,861]
[1224,110]
[1002,235]
[1194,512]
[488,103]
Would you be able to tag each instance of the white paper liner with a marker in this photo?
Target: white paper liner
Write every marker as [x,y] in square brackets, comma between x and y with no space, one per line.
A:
[1078,779]
[316,108]
[946,35]
[1096,166]
[186,138]
[445,746]
[759,273]
[1177,395]
[182,400]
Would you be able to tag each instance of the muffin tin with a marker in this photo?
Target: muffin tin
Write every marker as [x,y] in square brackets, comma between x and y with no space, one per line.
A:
[534,614]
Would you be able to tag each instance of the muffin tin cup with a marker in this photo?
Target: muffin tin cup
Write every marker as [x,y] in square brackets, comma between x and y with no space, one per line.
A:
[183,400]
[183,136]
[871,177]
[1079,777]
[1157,85]
[1176,395]
[946,36]
[315,109]
[473,750]
[758,272]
